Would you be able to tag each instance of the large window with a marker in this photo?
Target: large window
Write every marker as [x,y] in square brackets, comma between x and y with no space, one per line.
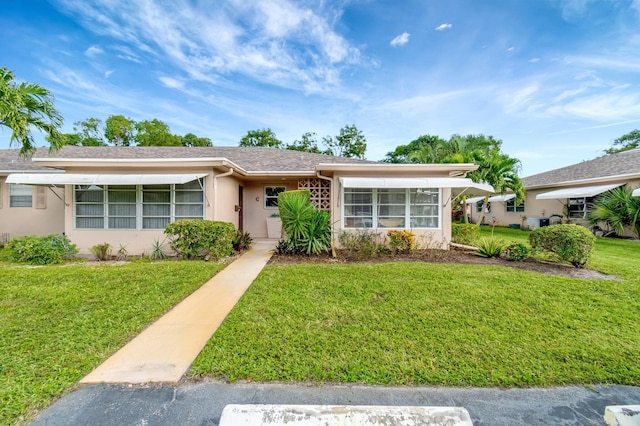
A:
[20,195]
[578,207]
[136,206]
[391,208]
[512,207]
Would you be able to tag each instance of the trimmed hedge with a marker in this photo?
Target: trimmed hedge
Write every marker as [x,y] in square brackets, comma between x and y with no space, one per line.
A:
[41,250]
[571,243]
[198,239]
[465,233]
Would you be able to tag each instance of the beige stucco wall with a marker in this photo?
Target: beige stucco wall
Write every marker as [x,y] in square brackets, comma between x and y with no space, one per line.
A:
[18,221]
[255,212]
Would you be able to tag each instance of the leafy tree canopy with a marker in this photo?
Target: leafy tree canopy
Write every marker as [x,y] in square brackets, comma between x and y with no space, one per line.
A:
[119,130]
[625,142]
[192,140]
[350,143]
[24,106]
[261,137]
[307,143]
[155,133]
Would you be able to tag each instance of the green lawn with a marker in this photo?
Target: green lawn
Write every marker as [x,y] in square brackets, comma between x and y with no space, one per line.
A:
[57,323]
[415,323]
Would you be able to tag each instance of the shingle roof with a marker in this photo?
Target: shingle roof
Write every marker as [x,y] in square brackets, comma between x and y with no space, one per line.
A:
[11,161]
[251,159]
[623,163]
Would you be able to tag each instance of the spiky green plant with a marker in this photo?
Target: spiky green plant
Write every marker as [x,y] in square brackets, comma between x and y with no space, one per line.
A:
[618,209]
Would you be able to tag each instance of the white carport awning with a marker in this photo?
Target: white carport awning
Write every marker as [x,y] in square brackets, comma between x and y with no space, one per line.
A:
[576,192]
[106,179]
[636,192]
[432,182]
[494,199]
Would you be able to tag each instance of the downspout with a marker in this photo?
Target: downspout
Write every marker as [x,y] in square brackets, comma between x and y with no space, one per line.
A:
[215,190]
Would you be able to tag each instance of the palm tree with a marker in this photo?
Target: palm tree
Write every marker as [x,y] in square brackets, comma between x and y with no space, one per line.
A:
[618,209]
[498,170]
[23,105]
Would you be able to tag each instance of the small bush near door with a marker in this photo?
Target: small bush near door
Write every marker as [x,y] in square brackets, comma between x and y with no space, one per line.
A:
[197,239]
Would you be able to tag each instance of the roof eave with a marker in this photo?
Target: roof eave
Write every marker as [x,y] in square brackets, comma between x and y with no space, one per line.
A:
[602,179]
[454,169]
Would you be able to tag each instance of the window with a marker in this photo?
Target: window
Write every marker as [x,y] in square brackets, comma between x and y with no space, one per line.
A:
[136,206]
[578,207]
[479,205]
[391,208]
[271,196]
[512,207]
[20,195]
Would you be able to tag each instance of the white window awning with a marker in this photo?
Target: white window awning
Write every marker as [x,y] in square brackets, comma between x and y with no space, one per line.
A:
[106,179]
[431,182]
[636,192]
[494,199]
[576,192]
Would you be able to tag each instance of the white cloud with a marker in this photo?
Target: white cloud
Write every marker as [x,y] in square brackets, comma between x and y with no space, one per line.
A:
[171,83]
[400,40]
[534,60]
[108,73]
[511,49]
[93,51]
[443,27]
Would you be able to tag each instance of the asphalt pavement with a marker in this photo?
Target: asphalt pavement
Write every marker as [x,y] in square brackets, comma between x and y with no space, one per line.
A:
[202,403]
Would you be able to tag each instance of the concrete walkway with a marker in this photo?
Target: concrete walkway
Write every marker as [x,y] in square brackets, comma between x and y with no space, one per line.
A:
[165,350]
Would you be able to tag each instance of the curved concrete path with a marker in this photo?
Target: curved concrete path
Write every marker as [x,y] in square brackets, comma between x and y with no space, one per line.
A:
[164,351]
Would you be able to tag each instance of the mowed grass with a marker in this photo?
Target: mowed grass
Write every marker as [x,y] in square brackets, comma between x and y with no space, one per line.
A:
[57,323]
[435,324]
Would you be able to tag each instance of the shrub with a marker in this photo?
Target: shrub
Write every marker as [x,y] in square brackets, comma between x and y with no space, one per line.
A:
[489,247]
[361,243]
[401,241]
[307,228]
[199,238]
[465,233]
[41,250]
[288,247]
[157,250]
[242,241]
[101,251]
[570,243]
[517,252]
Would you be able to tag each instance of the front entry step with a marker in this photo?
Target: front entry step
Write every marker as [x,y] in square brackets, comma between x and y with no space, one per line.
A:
[342,415]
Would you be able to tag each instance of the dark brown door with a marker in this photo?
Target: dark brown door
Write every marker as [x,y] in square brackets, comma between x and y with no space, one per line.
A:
[241,208]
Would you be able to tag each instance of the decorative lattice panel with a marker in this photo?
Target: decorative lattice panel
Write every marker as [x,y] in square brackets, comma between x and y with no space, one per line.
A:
[320,191]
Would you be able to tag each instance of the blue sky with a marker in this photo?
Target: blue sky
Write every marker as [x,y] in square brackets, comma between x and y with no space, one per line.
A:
[555,80]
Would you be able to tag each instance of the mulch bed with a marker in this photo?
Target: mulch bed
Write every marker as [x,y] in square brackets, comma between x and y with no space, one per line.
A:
[448,256]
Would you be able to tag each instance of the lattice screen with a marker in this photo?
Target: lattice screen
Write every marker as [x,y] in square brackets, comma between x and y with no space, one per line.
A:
[320,191]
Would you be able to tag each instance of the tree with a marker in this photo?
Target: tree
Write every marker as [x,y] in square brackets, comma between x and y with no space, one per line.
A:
[307,143]
[498,170]
[625,142]
[192,140]
[618,209]
[419,150]
[350,143]
[90,131]
[119,130]
[27,105]
[261,137]
[155,133]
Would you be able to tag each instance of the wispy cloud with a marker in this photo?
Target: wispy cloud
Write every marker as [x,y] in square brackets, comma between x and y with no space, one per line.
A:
[400,40]
[534,60]
[93,51]
[443,27]
[282,43]
[172,83]
[511,49]
[108,73]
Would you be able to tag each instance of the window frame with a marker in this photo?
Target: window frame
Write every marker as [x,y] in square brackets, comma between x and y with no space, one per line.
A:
[375,205]
[511,206]
[272,197]
[140,215]
[586,203]
[14,186]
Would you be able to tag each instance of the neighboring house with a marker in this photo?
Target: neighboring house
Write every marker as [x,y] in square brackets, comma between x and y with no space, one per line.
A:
[127,195]
[567,191]
[28,209]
